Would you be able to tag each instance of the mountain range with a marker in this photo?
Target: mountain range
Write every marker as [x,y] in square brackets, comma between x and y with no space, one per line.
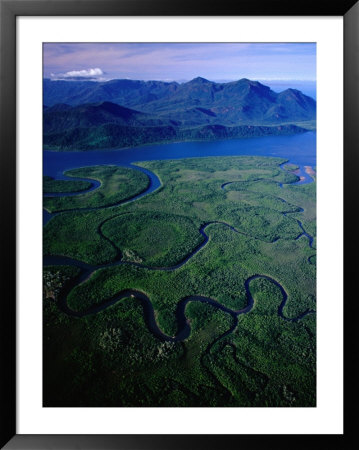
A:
[85,115]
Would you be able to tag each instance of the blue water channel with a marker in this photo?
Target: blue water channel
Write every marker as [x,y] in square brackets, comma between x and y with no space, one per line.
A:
[300,149]
[297,149]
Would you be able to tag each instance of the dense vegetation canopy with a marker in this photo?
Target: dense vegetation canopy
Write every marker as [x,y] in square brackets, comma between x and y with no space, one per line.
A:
[224,249]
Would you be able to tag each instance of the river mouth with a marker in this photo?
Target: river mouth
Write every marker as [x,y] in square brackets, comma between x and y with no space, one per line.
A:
[55,164]
[299,150]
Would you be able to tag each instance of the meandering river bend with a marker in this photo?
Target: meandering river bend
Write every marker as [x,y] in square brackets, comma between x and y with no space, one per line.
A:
[298,149]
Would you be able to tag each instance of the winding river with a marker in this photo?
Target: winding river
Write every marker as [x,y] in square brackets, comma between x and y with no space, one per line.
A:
[55,164]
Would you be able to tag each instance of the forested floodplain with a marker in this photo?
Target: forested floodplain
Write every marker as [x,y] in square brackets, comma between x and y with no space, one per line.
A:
[201,293]
[117,184]
[55,186]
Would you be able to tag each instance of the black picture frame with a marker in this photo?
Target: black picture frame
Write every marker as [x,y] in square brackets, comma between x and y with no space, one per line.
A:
[9,10]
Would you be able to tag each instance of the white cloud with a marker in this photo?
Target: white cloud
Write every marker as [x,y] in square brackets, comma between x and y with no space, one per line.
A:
[88,74]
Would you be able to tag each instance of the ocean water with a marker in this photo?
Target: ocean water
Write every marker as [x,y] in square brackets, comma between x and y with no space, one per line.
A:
[299,149]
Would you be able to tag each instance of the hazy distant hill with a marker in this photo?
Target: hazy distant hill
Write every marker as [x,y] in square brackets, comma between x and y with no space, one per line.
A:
[243,101]
[138,112]
[63,117]
[123,92]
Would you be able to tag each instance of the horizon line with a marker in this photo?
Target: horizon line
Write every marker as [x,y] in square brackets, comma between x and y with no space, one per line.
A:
[166,80]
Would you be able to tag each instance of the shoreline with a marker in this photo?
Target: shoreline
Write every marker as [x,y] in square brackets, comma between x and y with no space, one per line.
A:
[310,171]
[148,144]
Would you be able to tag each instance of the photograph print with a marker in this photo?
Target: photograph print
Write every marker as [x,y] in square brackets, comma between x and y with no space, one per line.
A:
[179,224]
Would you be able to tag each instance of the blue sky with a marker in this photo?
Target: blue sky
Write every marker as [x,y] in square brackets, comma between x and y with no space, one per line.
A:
[180,61]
